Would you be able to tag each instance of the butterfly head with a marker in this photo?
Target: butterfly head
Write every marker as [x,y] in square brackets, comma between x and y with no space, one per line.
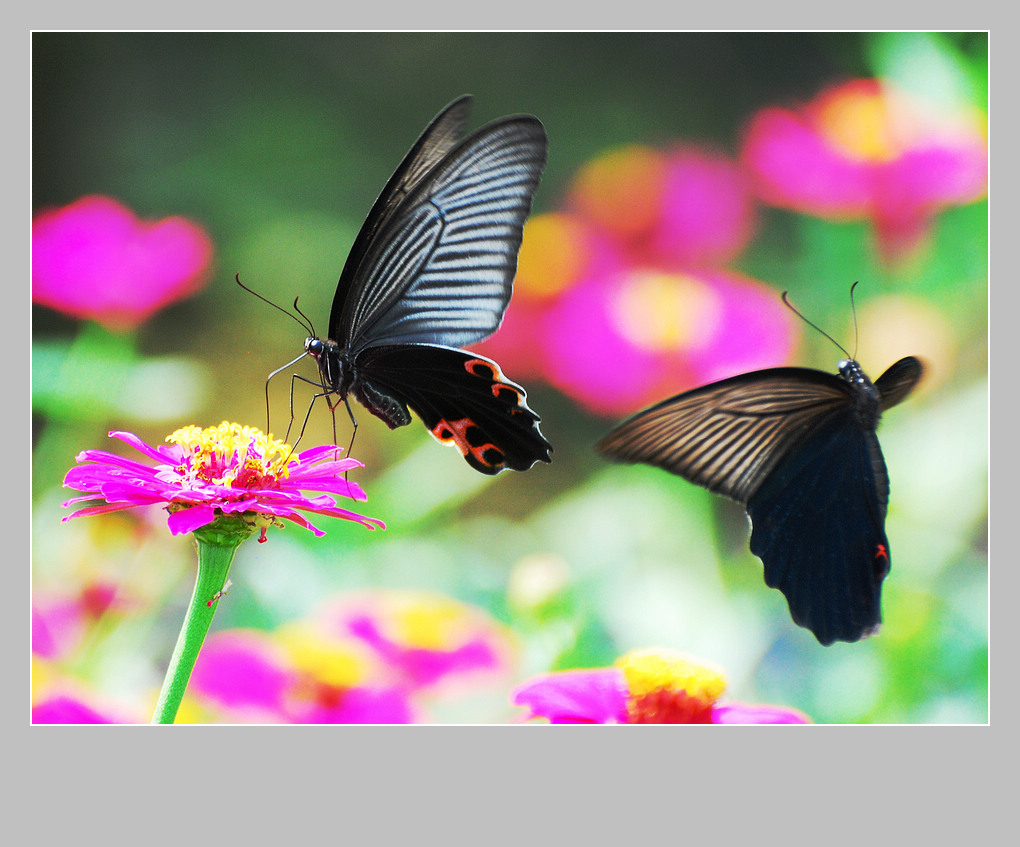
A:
[331,365]
[852,373]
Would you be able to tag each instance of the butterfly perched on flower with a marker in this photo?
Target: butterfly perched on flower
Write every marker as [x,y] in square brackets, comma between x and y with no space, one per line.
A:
[797,448]
[430,272]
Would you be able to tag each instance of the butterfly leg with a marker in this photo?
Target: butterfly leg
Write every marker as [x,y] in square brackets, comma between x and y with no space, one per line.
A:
[308,413]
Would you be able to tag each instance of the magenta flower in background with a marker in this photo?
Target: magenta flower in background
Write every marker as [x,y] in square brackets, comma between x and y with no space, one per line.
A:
[65,709]
[225,470]
[369,657]
[627,338]
[60,623]
[94,259]
[686,208]
[294,676]
[59,699]
[643,686]
[863,150]
[622,300]
[424,639]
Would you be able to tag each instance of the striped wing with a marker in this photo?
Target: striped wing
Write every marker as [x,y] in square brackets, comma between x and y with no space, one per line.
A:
[441,262]
[728,436]
[439,137]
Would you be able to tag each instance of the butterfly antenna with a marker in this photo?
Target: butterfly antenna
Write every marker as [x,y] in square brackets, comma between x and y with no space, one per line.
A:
[307,327]
[853,310]
[311,326]
[791,307]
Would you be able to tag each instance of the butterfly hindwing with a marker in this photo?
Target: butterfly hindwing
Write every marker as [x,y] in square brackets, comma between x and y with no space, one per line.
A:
[817,524]
[463,399]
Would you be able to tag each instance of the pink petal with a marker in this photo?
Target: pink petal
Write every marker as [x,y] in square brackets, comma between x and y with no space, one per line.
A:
[743,713]
[190,519]
[790,165]
[576,696]
[242,670]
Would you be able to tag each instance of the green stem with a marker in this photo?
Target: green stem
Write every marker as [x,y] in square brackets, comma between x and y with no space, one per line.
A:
[217,544]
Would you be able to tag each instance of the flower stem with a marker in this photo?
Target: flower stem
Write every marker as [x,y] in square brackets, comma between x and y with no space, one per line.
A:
[217,545]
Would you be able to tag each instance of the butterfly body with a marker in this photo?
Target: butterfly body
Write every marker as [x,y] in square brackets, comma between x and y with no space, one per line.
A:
[798,449]
[430,272]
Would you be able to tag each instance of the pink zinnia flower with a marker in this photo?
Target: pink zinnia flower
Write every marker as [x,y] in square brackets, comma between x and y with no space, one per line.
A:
[643,686]
[293,675]
[60,623]
[224,470]
[864,150]
[630,336]
[94,259]
[622,300]
[65,709]
[424,639]
[686,207]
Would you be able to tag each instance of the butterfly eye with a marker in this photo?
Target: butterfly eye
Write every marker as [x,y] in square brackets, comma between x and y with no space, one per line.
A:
[314,346]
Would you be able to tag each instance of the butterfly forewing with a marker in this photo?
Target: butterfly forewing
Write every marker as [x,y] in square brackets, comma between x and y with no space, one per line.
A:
[727,436]
[898,381]
[441,266]
[439,137]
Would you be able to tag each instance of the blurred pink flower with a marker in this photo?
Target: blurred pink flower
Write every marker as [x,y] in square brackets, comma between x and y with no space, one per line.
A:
[686,208]
[227,469]
[65,709]
[58,698]
[94,259]
[249,676]
[864,150]
[423,638]
[621,301]
[643,687]
[618,341]
[60,623]
[363,658]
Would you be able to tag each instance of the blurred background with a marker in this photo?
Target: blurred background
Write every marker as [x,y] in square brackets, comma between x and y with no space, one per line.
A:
[691,179]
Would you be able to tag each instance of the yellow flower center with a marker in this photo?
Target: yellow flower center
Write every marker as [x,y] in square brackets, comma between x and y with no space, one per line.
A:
[553,254]
[428,622]
[622,190]
[669,687]
[232,455]
[861,123]
[332,663]
[659,311]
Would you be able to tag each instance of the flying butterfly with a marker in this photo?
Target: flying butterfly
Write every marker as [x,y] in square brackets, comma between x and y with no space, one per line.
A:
[430,272]
[797,448]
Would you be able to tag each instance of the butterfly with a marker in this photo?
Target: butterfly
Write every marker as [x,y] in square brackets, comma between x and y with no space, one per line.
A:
[430,272]
[797,448]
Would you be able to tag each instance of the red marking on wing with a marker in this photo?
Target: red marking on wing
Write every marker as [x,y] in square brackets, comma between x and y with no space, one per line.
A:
[881,552]
[458,433]
[485,369]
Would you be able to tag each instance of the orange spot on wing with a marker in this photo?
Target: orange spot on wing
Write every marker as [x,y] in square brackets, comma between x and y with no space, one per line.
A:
[459,433]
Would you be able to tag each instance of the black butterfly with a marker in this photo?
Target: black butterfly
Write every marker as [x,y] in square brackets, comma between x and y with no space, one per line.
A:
[797,447]
[431,271]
